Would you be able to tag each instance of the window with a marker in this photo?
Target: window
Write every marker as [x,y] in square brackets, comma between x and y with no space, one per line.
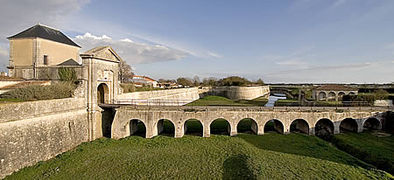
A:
[45,59]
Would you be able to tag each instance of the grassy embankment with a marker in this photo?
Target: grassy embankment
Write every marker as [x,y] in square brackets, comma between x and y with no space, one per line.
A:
[368,147]
[222,101]
[271,156]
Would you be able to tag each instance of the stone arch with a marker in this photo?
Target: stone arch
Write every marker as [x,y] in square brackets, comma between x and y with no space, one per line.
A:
[165,127]
[220,126]
[107,117]
[274,125]
[372,124]
[102,94]
[324,127]
[340,95]
[137,127]
[331,96]
[348,124]
[322,96]
[193,127]
[299,125]
[352,93]
[247,125]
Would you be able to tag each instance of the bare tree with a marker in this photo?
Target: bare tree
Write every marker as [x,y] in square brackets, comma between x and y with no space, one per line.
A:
[125,72]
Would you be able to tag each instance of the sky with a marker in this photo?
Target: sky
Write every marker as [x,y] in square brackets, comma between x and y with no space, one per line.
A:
[287,41]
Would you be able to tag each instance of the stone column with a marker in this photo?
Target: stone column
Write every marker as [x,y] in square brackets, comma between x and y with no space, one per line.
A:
[337,127]
[179,130]
[233,129]
[206,129]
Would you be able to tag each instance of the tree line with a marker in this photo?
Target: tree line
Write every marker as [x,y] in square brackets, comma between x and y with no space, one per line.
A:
[211,81]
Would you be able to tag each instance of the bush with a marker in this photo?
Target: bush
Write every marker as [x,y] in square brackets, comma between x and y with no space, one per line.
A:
[36,92]
[127,88]
[67,74]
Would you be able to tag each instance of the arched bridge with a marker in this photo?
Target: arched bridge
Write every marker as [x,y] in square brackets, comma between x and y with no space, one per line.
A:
[309,120]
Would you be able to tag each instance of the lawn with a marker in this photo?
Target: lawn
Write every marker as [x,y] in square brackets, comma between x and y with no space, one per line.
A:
[223,101]
[271,156]
[368,147]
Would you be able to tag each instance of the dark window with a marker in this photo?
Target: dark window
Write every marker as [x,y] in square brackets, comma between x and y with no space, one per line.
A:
[45,59]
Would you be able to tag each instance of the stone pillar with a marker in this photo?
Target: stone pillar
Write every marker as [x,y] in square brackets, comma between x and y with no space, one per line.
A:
[206,129]
[180,130]
[312,131]
[337,127]
[260,130]
[254,127]
[232,129]
[360,127]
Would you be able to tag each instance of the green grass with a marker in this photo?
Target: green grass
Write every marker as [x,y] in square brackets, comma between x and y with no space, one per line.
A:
[272,156]
[222,101]
[375,150]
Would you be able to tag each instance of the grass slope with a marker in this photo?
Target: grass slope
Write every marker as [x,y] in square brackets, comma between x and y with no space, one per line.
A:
[222,101]
[272,156]
[378,151]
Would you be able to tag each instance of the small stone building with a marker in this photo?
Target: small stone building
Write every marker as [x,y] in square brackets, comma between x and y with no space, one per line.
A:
[332,92]
[39,51]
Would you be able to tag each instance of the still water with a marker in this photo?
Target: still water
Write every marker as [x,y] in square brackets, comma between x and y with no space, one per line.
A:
[273,98]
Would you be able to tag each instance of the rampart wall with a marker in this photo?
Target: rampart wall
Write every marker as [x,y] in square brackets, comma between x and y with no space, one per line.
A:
[237,92]
[39,130]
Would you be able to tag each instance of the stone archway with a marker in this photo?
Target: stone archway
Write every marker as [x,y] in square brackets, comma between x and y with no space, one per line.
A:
[372,124]
[348,124]
[193,127]
[247,125]
[331,96]
[299,125]
[274,125]
[322,96]
[165,127]
[220,126]
[137,128]
[324,127]
[102,94]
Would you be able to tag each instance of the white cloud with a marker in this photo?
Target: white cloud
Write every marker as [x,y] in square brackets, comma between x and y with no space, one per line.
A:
[214,55]
[130,51]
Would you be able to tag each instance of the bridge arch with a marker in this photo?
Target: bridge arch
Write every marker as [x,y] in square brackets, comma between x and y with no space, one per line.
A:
[299,125]
[331,96]
[247,125]
[220,126]
[322,96]
[348,124]
[324,127]
[372,124]
[274,125]
[165,127]
[193,127]
[340,95]
[137,127]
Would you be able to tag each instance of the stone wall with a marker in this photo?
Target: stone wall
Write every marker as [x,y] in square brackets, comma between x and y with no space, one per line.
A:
[37,131]
[236,92]
[384,103]
[160,97]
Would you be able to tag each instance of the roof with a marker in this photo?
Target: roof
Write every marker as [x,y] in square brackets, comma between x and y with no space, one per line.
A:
[44,32]
[335,87]
[70,62]
[145,77]
[103,52]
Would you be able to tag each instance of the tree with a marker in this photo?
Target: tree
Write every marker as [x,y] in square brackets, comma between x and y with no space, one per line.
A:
[209,81]
[381,94]
[196,81]
[184,81]
[260,82]
[234,81]
[125,71]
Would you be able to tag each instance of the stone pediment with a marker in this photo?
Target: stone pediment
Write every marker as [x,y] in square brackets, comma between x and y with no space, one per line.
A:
[104,52]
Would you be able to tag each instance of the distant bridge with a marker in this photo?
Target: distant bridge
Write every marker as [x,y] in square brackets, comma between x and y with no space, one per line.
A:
[309,120]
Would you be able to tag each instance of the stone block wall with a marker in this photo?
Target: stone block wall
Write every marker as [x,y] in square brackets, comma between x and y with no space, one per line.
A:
[37,131]
[236,92]
[160,97]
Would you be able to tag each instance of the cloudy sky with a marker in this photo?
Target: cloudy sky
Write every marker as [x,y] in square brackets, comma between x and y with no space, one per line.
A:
[350,41]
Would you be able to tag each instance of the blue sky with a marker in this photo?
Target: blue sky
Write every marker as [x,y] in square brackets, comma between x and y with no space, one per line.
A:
[347,41]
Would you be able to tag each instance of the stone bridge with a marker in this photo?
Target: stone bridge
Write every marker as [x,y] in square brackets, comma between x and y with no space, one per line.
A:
[309,120]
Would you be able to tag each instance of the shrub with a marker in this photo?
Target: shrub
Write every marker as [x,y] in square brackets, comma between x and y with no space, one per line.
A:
[67,74]
[36,92]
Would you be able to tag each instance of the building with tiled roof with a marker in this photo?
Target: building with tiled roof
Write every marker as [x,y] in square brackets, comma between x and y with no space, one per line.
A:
[144,80]
[37,48]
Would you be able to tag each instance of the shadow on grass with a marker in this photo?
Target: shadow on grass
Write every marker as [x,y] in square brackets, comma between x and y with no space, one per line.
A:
[238,167]
[303,145]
